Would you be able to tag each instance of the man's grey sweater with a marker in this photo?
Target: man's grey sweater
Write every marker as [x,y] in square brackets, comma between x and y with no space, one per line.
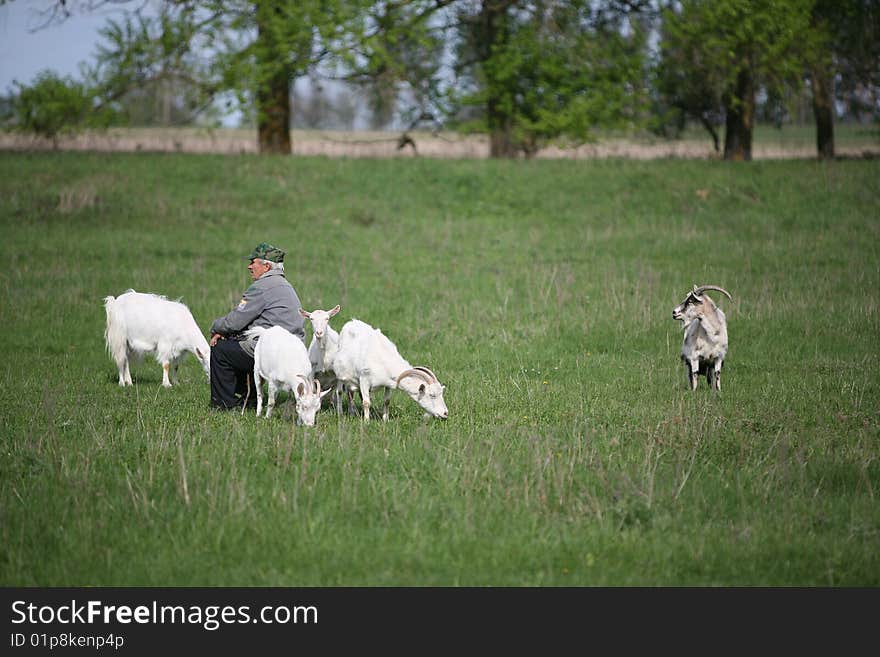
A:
[269,301]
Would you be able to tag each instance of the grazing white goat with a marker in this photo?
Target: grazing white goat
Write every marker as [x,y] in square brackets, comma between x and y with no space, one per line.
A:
[324,345]
[367,359]
[705,335]
[281,358]
[140,323]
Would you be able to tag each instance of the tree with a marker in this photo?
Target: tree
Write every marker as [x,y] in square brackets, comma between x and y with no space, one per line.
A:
[255,49]
[398,64]
[549,70]
[846,50]
[525,72]
[154,81]
[733,47]
[686,86]
[52,106]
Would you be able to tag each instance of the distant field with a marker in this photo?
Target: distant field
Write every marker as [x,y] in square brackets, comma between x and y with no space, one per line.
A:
[541,295]
[770,143]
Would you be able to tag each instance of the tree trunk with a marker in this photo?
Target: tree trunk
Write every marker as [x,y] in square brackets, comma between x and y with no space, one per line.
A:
[166,102]
[500,143]
[823,110]
[740,109]
[498,119]
[273,123]
[273,89]
[711,130]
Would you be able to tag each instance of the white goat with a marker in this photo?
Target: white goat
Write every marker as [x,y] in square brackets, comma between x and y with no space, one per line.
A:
[705,335]
[139,323]
[367,359]
[324,345]
[281,358]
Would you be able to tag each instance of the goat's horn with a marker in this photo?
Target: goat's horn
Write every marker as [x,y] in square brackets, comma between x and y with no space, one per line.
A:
[412,372]
[317,387]
[703,288]
[427,371]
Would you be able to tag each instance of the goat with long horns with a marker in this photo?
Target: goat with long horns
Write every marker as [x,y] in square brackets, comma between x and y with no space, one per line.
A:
[705,335]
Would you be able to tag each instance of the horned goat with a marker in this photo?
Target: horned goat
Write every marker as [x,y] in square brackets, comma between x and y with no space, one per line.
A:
[705,335]
[324,345]
[281,359]
[139,323]
[366,359]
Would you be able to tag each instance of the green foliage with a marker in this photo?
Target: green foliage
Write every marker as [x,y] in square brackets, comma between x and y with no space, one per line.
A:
[397,61]
[845,35]
[152,70]
[258,46]
[52,106]
[540,293]
[191,53]
[529,73]
[707,44]
[558,71]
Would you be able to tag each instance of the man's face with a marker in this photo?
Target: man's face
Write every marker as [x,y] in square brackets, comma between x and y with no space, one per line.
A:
[258,267]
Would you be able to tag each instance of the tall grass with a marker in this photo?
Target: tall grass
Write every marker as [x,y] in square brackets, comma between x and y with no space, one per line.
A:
[541,295]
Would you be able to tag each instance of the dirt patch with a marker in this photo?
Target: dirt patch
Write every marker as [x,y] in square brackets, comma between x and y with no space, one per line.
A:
[386,145]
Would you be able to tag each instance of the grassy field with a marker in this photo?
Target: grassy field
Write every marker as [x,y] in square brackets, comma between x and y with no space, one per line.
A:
[541,295]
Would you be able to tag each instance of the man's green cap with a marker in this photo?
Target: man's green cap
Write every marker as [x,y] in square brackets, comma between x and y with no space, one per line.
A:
[266,251]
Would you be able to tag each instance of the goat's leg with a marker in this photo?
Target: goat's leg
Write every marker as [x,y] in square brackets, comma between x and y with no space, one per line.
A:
[718,374]
[338,398]
[122,366]
[258,383]
[166,366]
[710,377]
[175,364]
[386,404]
[364,386]
[273,390]
[127,374]
[693,370]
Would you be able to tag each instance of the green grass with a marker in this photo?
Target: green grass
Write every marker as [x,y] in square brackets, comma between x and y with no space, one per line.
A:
[541,295]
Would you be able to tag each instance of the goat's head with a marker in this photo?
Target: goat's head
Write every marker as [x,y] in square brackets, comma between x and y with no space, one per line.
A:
[692,306]
[320,319]
[422,385]
[203,355]
[308,397]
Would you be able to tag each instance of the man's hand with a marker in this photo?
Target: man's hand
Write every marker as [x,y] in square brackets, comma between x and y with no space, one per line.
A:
[215,338]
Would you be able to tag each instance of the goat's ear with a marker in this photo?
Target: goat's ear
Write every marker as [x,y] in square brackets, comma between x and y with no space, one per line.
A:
[308,315]
[300,390]
[334,310]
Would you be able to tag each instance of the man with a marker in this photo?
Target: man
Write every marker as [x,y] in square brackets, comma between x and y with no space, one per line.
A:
[269,301]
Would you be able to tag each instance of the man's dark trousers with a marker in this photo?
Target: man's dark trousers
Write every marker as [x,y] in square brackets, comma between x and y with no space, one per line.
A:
[232,373]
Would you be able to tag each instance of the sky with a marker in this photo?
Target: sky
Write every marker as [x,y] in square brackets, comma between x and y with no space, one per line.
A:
[24,52]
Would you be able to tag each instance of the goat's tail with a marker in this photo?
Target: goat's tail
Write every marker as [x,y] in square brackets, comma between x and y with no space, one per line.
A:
[115,333]
[255,332]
